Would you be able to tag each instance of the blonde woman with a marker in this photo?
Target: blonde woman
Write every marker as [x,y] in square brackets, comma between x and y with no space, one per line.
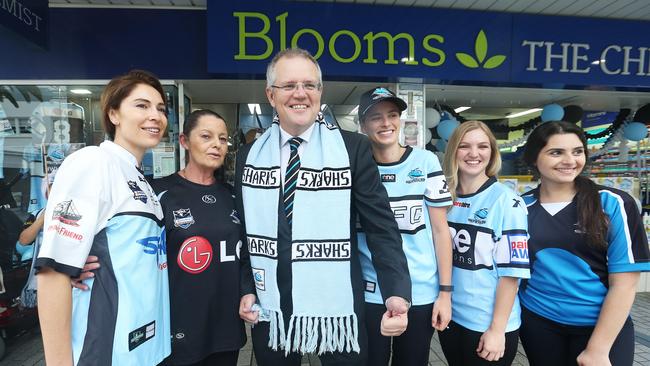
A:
[488,225]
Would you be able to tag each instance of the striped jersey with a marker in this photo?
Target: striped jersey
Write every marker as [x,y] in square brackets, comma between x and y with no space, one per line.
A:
[490,233]
[102,205]
[413,183]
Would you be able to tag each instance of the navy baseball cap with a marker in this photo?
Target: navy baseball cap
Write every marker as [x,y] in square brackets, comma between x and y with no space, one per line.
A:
[377,95]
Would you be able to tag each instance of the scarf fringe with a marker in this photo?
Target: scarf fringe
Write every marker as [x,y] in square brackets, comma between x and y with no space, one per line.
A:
[276,330]
[337,334]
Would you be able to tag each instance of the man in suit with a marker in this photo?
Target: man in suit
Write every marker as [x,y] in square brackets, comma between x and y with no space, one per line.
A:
[300,190]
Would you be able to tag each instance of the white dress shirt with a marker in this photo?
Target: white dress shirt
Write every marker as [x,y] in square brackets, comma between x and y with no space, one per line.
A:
[285,149]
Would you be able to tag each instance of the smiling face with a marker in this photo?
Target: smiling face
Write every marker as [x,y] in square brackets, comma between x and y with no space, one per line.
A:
[207,143]
[561,160]
[381,123]
[140,120]
[473,154]
[298,108]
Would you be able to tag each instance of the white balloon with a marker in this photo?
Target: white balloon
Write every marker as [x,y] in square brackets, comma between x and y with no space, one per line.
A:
[427,135]
[433,118]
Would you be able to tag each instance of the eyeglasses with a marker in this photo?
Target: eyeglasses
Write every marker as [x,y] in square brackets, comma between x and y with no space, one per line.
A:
[291,87]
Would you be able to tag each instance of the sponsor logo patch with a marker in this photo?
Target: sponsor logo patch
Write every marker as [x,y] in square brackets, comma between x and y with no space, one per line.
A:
[61,231]
[320,250]
[324,179]
[388,178]
[461,204]
[370,286]
[258,276]
[183,218]
[66,213]
[516,203]
[445,187]
[141,335]
[209,199]
[156,245]
[195,255]
[518,248]
[138,193]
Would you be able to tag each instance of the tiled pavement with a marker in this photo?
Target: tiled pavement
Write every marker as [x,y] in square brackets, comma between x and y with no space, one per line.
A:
[27,350]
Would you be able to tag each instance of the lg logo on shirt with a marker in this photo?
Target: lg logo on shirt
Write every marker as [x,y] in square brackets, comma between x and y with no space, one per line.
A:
[195,254]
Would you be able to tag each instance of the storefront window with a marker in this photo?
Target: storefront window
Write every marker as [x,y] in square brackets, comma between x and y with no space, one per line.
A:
[39,126]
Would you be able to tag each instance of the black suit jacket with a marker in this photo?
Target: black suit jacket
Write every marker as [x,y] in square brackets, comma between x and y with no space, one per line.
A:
[369,201]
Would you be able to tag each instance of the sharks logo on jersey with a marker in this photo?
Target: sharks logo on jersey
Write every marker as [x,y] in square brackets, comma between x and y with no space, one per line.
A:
[416,175]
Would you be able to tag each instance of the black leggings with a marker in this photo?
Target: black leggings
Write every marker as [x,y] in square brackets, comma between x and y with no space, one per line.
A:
[411,348]
[549,343]
[459,346]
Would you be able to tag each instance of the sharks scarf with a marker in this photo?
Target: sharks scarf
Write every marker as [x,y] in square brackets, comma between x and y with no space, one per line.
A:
[323,316]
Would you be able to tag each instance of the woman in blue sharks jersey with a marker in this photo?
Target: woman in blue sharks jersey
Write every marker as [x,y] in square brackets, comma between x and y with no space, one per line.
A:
[101,204]
[419,198]
[489,230]
[587,247]
[203,240]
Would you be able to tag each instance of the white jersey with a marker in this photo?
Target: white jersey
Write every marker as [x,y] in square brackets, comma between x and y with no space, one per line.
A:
[413,183]
[101,205]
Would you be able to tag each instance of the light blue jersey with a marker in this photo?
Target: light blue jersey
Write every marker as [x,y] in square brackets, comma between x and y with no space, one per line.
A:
[490,235]
[101,205]
[413,183]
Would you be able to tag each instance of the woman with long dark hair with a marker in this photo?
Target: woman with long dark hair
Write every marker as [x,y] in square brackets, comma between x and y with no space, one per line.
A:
[203,242]
[587,246]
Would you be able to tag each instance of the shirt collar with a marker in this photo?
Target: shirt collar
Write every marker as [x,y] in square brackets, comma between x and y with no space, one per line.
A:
[119,151]
[285,136]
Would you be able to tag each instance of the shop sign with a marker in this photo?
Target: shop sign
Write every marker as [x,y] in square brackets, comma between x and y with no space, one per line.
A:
[435,45]
[28,18]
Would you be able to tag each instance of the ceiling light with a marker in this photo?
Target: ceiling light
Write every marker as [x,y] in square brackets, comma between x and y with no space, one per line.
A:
[461,109]
[519,114]
[254,107]
[80,91]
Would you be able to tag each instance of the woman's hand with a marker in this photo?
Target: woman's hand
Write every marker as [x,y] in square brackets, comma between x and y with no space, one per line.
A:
[441,314]
[492,345]
[593,358]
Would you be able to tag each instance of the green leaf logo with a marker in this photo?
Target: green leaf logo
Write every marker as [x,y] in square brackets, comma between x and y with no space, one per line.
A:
[480,49]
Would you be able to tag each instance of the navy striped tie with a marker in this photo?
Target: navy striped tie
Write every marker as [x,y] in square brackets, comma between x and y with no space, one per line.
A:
[291,178]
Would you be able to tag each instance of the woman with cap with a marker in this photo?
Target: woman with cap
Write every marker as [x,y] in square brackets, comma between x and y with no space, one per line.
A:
[419,198]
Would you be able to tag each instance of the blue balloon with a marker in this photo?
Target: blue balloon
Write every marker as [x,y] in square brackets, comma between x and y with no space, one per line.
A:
[441,145]
[552,112]
[446,128]
[635,131]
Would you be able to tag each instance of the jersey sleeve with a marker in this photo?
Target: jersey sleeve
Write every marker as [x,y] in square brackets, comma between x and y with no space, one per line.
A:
[627,249]
[511,250]
[436,193]
[77,205]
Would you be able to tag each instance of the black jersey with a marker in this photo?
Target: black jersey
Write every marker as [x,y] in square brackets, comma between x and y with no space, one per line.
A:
[203,243]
